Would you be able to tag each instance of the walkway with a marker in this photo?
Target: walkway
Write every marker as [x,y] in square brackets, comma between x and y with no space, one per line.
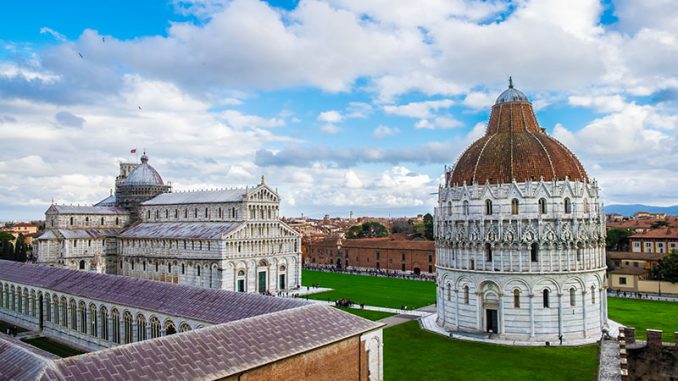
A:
[609,368]
[646,296]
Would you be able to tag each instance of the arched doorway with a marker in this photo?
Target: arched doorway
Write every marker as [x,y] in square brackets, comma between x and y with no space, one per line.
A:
[82,265]
[417,271]
[491,319]
[338,263]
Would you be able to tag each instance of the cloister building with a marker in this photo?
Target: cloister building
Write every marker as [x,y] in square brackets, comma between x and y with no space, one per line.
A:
[520,236]
[199,333]
[231,239]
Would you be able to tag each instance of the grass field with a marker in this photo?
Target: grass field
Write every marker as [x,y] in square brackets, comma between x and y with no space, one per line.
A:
[644,314]
[372,291]
[367,314]
[414,354]
[53,347]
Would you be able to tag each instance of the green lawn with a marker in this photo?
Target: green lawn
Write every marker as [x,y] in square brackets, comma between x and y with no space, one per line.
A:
[53,347]
[372,291]
[367,314]
[644,314]
[411,353]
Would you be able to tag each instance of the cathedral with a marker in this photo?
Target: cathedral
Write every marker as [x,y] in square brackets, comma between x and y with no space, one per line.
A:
[520,236]
[229,239]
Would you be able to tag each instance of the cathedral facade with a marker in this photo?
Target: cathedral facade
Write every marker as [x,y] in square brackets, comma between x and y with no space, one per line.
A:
[228,239]
[520,236]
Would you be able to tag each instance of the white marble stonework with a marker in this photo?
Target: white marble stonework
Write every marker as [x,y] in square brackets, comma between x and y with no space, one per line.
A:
[524,261]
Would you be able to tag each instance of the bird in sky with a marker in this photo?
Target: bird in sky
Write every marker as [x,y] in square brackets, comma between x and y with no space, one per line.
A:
[139,107]
[103,39]
[80,54]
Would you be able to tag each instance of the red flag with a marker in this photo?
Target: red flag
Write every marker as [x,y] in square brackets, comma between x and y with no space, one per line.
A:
[134,150]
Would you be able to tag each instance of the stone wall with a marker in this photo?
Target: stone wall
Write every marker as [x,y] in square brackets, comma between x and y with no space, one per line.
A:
[656,361]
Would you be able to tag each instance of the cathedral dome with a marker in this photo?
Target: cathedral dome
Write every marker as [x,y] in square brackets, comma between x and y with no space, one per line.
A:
[144,174]
[515,148]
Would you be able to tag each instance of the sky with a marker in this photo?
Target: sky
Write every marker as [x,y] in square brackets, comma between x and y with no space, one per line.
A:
[343,105]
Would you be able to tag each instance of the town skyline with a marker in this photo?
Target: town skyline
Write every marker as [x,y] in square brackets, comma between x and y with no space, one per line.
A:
[241,89]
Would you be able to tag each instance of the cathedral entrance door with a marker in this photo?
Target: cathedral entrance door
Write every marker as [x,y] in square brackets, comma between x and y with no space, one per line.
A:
[262,282]
[491,320]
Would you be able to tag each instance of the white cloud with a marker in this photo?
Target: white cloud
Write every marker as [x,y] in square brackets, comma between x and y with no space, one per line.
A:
[239,120]
[331,116]
[605,103]
[330,129]
[58,36]
[352,180]
[439,122]
[383,131]
[421,110]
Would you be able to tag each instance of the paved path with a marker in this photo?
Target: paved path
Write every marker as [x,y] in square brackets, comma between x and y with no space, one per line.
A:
[406,316]
[609,368]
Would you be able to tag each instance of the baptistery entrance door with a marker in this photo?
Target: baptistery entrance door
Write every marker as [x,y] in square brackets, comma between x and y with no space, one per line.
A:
[491,321]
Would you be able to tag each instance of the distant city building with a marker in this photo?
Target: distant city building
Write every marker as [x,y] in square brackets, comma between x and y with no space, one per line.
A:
[230,239]
[385,254]
[520,236]
[131,325]
[26,229]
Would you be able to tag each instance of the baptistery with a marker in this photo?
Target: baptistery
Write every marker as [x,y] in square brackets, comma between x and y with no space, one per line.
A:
[520,236]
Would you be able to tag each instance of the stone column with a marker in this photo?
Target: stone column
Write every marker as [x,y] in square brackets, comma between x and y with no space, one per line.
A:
[501,313]
[531,297]
[654,338]
[560,313]
[583,309]
[456,305]
[630,335]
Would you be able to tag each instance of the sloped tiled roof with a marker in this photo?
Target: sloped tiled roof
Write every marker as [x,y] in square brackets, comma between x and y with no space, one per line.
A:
[20,361]
[180,230]
[515,147]
[198,197]
[202,304]
[82,209]
[218,351]
[669,233]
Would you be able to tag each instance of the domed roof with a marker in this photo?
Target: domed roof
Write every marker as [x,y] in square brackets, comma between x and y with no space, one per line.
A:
[515,148]
[144,174]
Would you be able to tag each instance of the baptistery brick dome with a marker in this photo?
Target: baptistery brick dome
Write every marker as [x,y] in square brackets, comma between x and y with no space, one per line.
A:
[515,148]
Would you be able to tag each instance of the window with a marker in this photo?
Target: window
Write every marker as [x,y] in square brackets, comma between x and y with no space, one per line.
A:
[402,267]
[516,298]
[465,208]
[195,213]
[117,220]
[449,208]
[449,292]
[104,322]
[74,315]
[64,311]
[156,267]
[377,255]
[148,214]
[94,328]
[115,318]
[593,295]
[83,316]
[466,295]
[586,206]
[155,327]
[622,280]
[534,252]
[166,213]
[184,327]
[206,214]
[488,252]
[514,206]
[102,220]
[488,207]
[542,205]
[572,297]
[71,220]
[176,213]
[579,253]
[198,269]
[48,306]
[127,322]
[546,300]
[55,309]
[568,206]
[141,327]
[183,268]
[185,213]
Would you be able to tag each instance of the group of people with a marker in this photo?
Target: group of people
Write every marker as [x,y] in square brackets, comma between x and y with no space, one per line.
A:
[372,272]
[12,331]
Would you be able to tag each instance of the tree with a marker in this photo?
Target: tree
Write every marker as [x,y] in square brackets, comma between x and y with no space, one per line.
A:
[618,239]
[367,230]
[20,249]
[659,224]
[428,226]
[6,248]
[668,267]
